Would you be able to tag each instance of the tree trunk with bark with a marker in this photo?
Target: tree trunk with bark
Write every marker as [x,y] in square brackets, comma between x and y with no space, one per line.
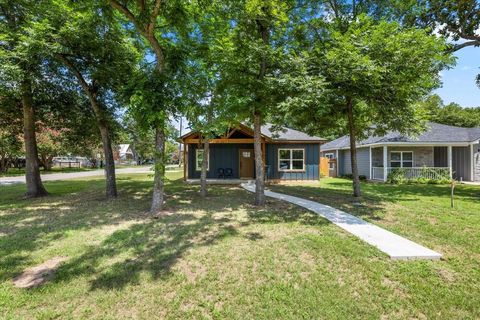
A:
[259,166]
[91,92]
[158,185]
[35,186]
[353,148]
[203,174]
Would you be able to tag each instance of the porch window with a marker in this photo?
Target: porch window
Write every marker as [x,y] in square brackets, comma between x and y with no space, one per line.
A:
[291,160]
[198,160]
[401,159]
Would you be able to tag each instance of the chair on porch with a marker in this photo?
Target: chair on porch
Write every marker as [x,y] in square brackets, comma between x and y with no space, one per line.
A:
[228,173]
[221,173]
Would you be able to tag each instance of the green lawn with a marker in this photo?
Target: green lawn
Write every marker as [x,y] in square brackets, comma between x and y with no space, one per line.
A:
[223,258]
[13,172]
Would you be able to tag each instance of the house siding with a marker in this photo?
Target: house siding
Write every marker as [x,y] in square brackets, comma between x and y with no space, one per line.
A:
[461,163]
[221,156]
[476,162]
[312,159]
[422,156]
[363,162]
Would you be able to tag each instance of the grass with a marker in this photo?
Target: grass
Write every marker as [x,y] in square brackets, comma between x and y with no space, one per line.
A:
[223,258]
[13,172]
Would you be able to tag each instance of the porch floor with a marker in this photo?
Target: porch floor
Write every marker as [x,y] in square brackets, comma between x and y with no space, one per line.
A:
[388,242]
[219,181]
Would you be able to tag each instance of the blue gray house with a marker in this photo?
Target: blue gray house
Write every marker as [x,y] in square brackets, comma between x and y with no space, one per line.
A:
[287,154]
[439,148]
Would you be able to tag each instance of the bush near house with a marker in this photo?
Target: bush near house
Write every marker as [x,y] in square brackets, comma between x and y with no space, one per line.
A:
[426,176]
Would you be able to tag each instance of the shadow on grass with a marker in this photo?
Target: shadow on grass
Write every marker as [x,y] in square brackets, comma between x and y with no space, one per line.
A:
[375,196]
[145,244]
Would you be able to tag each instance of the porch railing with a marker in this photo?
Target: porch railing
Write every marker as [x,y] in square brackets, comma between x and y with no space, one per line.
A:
[431,173]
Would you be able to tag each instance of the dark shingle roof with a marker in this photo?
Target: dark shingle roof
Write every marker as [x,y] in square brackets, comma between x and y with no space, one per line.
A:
[435,133]
[287,134]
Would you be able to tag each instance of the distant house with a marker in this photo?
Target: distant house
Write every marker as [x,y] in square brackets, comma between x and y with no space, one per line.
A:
[125,153]
[288,155]
[440,147]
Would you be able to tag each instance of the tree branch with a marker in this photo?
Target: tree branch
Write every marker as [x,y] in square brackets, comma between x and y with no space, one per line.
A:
[463,45]
[74,70]
[154,15]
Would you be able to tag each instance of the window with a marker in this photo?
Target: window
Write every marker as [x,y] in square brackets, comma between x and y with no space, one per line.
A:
[330,155]
[291,159]
[331,165]
[198,160]
[401,159]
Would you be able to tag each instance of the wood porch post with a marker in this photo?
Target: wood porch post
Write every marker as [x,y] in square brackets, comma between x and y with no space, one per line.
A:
[385,163]
[449,157]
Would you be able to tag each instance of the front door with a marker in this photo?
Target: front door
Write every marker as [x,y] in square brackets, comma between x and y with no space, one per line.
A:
[247,162]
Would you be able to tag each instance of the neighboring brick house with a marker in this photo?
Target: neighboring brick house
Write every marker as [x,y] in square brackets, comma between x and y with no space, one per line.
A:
[440,147]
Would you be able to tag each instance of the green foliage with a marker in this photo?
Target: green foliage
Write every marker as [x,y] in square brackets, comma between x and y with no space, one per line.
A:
[425,176]
[451,114]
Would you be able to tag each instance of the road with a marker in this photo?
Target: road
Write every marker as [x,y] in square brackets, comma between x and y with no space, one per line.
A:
[74,175]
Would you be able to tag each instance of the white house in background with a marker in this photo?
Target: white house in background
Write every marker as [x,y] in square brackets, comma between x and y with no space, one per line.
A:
[439,148]
[125,152]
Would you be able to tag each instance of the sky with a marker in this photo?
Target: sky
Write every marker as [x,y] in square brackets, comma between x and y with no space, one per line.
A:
[459,82]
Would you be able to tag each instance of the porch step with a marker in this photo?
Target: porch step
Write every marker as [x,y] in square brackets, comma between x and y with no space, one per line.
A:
[388,242]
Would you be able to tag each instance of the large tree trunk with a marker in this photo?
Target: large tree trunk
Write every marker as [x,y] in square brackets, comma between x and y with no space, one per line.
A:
[35,187]
[158,185]
[259,168]
[203,174]
[111,185]
[353,148]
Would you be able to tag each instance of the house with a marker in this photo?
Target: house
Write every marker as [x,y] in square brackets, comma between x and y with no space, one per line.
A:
[124,153]
[440,148]
[288,154]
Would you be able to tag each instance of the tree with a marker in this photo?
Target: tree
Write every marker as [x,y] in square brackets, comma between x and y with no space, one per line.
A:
[21,71]
[373,74]
[452,114]
[93,51]
[250,55]
[145,16]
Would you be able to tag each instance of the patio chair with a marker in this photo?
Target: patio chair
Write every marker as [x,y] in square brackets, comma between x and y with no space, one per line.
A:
[228,173]
[221,173]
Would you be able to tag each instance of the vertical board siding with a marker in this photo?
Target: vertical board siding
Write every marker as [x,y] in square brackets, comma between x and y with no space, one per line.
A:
[312,159]
[461,163]
[440,157]
[363,162]
[476,162]
[221,156]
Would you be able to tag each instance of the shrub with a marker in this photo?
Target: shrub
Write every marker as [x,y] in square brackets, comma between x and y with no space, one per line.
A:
[426,176]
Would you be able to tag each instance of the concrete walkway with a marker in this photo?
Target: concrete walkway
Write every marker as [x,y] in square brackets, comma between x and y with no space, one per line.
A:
[388,242]
[74,175]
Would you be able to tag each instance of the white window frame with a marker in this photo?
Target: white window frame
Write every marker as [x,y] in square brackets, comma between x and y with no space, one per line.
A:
[401,159]
[330,155]
[291,159]
[198,165]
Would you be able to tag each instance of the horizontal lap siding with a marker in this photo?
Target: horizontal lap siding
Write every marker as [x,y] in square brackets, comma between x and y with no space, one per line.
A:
[363,162]
[221,156]
[312,153]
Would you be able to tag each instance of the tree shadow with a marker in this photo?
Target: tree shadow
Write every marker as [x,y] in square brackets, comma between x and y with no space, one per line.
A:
[144,244]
